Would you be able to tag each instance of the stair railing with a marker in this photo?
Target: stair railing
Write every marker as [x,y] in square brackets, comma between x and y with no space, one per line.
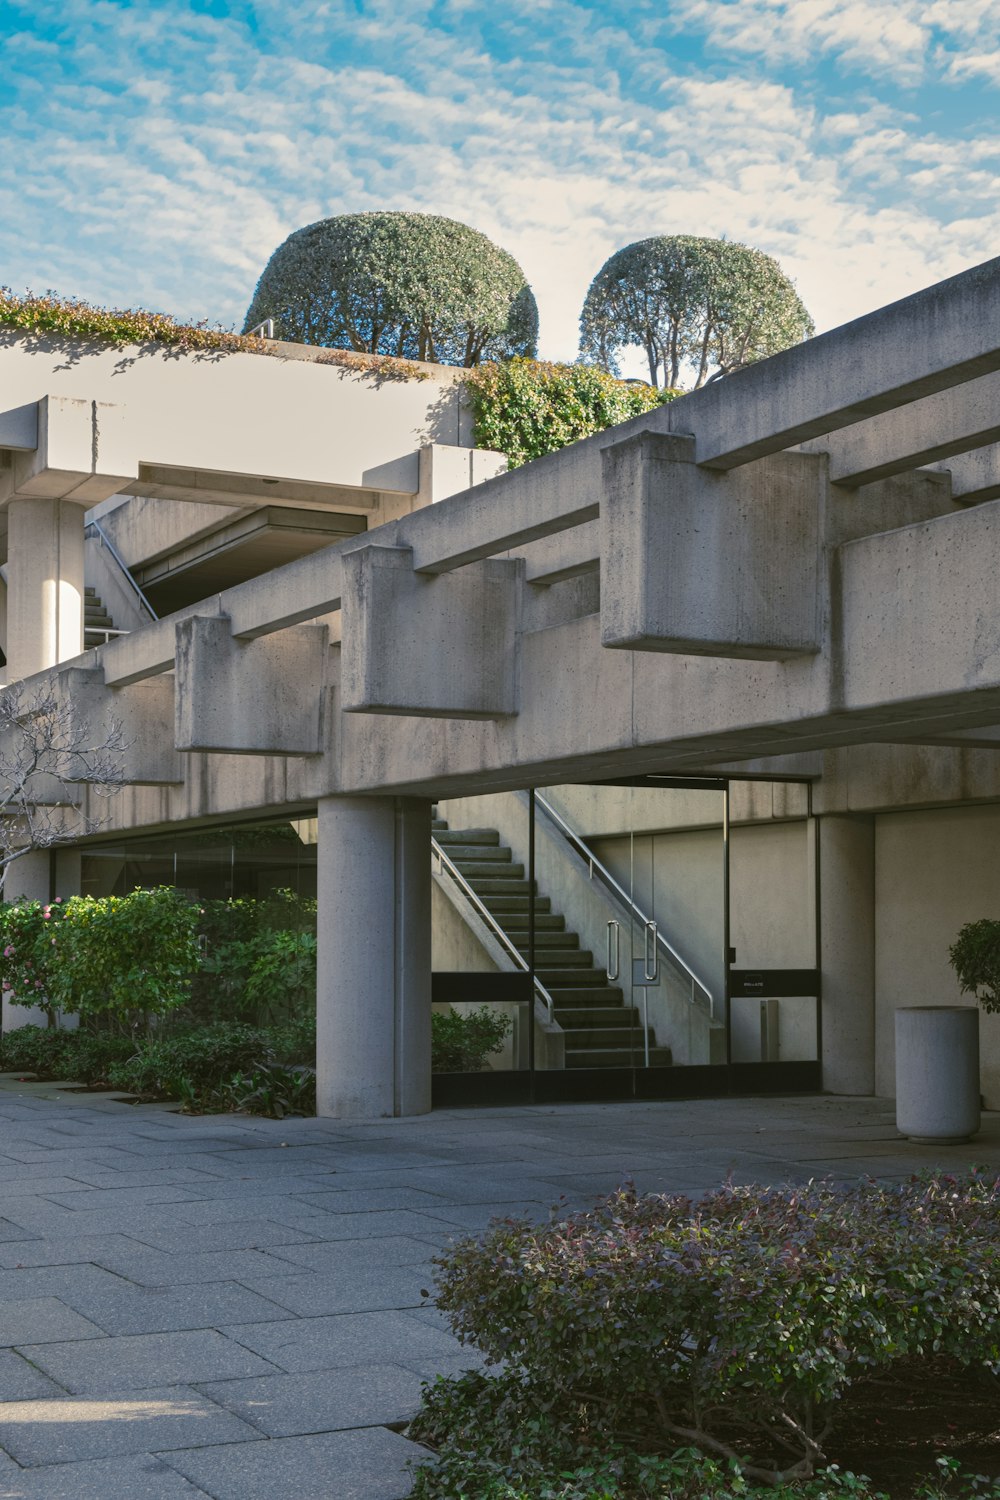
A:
[94,528]
[447,866]
[649,928]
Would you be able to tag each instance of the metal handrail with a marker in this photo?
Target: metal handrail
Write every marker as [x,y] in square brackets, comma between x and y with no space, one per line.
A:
[445,863]
[98,530]
[605,875]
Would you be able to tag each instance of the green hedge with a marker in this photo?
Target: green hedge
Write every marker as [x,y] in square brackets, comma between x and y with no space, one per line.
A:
[223,1067]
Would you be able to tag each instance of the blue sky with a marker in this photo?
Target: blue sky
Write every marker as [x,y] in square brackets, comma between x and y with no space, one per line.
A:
[155,153]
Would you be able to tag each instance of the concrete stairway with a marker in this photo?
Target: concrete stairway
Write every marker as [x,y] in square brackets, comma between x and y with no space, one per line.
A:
[601,1030]
[98,626]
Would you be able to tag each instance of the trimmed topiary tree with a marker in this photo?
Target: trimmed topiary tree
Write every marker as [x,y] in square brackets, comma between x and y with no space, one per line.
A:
[709,306]
[414,286]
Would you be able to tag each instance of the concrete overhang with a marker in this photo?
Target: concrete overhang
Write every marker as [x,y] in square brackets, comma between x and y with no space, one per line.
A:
[242,549]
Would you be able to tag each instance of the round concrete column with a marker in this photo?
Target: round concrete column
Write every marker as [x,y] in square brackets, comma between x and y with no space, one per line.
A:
[847,952]
[373,981]
[937,1072]
[44,584]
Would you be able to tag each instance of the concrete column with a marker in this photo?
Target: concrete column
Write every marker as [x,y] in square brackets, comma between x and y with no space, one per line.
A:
[373,1020]
[44,584]
[27,877]
[847,952]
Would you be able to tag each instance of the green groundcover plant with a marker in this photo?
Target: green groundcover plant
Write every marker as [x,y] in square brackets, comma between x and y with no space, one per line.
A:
[733,1326]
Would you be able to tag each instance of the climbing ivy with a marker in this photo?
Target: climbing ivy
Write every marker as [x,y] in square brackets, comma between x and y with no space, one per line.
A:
[526,408]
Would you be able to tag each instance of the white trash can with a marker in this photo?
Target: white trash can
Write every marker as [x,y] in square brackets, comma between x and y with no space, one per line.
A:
[937,1072]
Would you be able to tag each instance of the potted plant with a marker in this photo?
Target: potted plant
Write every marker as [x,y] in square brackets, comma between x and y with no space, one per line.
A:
[937,1046]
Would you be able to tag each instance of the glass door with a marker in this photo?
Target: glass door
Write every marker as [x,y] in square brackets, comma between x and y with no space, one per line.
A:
[773,975]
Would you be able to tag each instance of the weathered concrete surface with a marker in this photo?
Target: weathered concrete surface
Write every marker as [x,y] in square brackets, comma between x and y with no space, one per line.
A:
[44,585]
[373,975]
[245,697]
[709,564]
[940,337]
[210,413]
[447,647]
[271,1274]
[140,718]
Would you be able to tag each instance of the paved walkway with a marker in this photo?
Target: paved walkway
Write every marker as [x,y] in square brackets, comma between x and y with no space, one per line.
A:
[235,1308]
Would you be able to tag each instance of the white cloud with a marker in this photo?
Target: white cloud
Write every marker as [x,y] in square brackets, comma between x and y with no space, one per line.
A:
[188,150]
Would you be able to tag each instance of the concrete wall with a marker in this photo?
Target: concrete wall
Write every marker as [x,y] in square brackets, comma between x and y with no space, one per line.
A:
[934,871]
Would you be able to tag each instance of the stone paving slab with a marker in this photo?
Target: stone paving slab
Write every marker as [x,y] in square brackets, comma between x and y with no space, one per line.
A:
[130,1310]
[20,1381]
[70,1429]
[321,1401]
[150,1268]
[42,1319]
[104,1366]
[272,1272]
[333,1342]
[136,1477]
[367,1464]
[352,1288]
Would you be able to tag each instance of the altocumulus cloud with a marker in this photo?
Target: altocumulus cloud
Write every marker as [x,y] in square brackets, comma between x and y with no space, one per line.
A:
[157,153]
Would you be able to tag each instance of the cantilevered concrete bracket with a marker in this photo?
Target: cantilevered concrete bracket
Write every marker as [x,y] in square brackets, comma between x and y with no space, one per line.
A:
[262,697]
[82,453]
[444,646]
[140,717]
[704,563]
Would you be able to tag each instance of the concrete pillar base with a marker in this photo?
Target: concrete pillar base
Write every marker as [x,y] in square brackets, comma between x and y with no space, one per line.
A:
[373,982]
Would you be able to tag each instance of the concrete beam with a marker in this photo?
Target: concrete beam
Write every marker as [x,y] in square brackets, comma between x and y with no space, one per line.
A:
[937,338]
[447,470]
[443,647]
[700,563]
[82,453]
[19,427]
[935,427]
[251,698]
[141,716]
[975,476]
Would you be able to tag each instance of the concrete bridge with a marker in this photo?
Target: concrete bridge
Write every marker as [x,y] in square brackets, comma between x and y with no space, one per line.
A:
[792,574]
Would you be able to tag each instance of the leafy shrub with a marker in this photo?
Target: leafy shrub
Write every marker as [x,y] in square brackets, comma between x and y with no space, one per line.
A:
[273,1089]
[525,408]
[173,1067]
[50,1053]
[125,958]
[733,1324]
[258,964]
[29,952]
[498,1441]
[975,957]
[461,1043]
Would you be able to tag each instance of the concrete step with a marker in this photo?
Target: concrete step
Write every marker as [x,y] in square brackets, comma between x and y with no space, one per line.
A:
[501,904]
[567,977]
[602,1038]
[476,870]
[476,853]
[574,1017]
[494,886]
[599,995]
[544,937]
[515,924]
[468,835]
[618,1057]
[548,958]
